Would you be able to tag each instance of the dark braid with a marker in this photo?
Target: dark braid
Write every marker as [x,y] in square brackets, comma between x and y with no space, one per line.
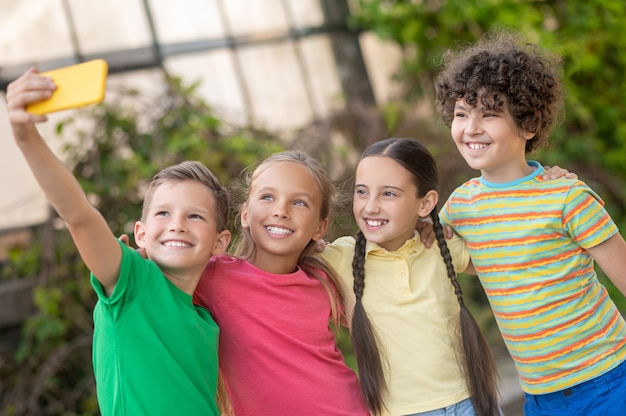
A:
[368,357]
[478,363]
[447,258]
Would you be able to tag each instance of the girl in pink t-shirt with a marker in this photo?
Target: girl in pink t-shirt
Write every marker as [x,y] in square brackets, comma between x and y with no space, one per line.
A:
[274,299]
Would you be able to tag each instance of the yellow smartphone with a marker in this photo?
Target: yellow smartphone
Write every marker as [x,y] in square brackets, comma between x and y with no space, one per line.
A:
[77,85]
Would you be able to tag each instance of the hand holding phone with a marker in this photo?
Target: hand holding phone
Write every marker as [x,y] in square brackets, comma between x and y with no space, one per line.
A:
[77,85]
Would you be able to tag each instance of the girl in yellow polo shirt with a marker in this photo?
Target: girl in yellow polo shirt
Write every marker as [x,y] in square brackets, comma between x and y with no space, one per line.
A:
[418,348]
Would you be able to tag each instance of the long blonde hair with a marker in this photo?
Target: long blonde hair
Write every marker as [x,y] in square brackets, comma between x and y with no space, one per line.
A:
[308,261]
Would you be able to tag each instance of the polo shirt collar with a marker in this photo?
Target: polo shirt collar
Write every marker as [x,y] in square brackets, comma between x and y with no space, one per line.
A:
[413,245]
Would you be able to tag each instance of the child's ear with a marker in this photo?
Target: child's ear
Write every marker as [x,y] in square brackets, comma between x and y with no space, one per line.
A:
[222,242]
[321,230]
[140,234]
[244,217]
[527,135]
[428,203]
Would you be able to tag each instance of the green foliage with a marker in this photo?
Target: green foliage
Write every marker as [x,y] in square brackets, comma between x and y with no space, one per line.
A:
[345,345]
[21,261]
[55,351]
[424,29]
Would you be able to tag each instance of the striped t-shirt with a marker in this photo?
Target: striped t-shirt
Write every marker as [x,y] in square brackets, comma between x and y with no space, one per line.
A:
[528,241]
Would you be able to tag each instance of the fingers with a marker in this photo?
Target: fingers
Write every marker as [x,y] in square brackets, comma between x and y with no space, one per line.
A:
[427,239]
[425,228]
[124,239]
[320,245]
[556,172]
[427,236]
[28,88]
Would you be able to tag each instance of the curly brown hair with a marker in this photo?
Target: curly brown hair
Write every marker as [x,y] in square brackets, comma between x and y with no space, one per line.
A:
[504,69]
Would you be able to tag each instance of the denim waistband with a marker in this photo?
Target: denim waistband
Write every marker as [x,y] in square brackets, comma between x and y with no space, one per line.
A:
[596,386]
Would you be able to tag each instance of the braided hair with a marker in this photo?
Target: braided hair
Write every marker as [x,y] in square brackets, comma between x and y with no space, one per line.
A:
[363,337]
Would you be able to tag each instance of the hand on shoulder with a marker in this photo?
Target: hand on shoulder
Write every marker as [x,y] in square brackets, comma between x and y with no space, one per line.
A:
[556,172]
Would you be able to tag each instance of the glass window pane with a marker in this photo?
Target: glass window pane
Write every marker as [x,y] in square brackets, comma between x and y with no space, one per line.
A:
[185,20]
[219,85]
[277,91]
[306,13]
[33,31]
[23,203]
[382,59]
[321,70]
[103,26]
[255,17]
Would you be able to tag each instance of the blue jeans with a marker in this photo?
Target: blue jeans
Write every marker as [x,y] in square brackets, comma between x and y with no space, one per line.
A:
[462,408]
[602,396]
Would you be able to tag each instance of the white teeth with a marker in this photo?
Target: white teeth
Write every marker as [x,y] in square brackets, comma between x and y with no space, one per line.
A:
[375,223]
[477,146]
[176,244]
[278,230]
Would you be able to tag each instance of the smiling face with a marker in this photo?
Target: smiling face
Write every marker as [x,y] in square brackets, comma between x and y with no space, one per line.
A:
[179,230]
[283,215]
[386,205]
[490,141]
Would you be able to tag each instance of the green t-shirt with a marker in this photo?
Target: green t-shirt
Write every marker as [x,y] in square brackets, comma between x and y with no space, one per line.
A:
[154,352]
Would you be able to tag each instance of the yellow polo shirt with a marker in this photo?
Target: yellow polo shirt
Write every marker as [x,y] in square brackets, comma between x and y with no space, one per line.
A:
[411,304]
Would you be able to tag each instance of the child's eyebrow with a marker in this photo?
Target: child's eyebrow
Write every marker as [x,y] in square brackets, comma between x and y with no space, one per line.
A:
[169,206]
[302,195]
[385,187]
[272,189]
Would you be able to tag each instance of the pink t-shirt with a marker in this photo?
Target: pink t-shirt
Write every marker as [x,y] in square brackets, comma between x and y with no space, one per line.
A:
[277,352]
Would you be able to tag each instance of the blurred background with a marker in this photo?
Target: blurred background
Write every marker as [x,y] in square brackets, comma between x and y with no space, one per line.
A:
[228,82]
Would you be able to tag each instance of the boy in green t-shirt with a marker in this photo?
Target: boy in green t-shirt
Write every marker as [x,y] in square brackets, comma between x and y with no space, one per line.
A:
[154,352]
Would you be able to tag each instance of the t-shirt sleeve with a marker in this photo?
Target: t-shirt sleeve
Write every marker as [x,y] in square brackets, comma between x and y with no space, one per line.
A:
[444,214]
[338,256]
[459,252]
[585,218]
[131,264]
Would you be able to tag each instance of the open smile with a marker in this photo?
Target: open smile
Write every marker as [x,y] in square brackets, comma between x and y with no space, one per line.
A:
[272,229]
[375,223]
[176,244]
[477,146]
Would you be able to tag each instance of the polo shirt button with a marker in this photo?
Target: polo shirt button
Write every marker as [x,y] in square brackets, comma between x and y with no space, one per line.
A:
[567,392]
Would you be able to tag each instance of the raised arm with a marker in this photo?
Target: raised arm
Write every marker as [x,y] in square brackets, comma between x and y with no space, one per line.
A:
[95,241]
